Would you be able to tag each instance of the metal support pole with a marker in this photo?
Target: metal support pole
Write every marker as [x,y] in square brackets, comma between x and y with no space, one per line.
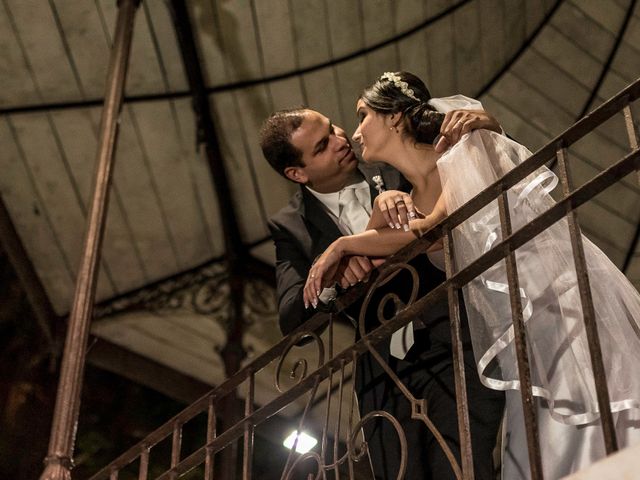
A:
[58,462]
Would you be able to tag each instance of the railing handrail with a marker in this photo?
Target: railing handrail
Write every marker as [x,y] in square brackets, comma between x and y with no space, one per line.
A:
[500,250]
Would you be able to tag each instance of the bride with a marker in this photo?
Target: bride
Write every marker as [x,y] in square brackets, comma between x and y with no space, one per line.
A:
[398,126]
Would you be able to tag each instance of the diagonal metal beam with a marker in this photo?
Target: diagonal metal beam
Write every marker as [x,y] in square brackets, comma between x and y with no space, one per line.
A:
[233,352]
[605,68]
[206,131]
[518,54]
[632,249]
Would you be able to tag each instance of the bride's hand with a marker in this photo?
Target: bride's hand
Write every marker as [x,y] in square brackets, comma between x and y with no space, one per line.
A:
[420,226]
[458,122]
[321,273]
[396,207]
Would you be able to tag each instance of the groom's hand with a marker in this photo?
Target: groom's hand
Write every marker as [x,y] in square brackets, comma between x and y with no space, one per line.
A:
[458,122]
[355,269]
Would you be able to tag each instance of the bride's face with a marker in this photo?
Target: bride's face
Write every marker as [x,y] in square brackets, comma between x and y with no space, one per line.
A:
[372,133]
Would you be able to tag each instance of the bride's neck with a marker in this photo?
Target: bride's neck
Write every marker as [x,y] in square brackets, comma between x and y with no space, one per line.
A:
[417,163]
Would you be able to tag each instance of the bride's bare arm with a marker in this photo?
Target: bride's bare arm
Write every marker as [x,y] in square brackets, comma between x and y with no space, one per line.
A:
[421,225]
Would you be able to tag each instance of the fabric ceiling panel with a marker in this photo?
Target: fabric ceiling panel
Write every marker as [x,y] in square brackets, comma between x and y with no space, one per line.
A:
[150,69]
[351,77]
[28,212]
[171,177]
[344,27]
[232,109]
[76,131]
[515,124]
[37,49]
[441,77]
[287,93]
[273,38]
[153,230]
[81,31]
[322,90]
[561,88]
[466,38]
[208,36]
[199,181]
[43,156]
[230,28]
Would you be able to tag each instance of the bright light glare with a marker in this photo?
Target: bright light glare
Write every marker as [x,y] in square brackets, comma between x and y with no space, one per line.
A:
[305,442]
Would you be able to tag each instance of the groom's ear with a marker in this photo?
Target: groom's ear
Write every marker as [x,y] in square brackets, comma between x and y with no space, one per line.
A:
[296,174]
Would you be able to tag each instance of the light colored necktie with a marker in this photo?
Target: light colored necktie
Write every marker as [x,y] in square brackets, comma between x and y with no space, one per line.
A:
[352,214]
[401,341]
[355,217]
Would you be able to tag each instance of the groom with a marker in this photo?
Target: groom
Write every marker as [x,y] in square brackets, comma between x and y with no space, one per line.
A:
[305,147]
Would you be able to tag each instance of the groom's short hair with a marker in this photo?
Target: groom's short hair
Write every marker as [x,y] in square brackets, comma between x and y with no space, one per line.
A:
[275,139]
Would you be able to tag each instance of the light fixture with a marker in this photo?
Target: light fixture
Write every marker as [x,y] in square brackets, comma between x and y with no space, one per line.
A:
[305,442]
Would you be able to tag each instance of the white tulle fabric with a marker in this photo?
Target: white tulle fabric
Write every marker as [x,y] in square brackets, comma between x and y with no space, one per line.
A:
[558,350]
[455,102]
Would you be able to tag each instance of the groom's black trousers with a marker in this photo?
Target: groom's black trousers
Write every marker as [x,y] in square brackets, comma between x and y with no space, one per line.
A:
[428,372]
[427,375]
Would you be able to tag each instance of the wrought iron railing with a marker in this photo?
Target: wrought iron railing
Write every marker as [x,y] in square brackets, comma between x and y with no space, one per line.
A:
[334,366]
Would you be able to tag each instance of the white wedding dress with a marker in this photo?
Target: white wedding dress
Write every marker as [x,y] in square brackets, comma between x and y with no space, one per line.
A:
[563,385]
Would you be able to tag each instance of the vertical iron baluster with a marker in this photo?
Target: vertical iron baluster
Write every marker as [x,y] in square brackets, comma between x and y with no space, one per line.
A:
[462,405]
[336,436]
[588,311]
[520,337]
[144,464]
[631,130]
[353,404]
[325,429]
[211,435]
[176,444]
[247,455]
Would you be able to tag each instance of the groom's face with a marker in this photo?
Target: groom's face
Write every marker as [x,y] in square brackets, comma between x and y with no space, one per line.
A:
[327,156]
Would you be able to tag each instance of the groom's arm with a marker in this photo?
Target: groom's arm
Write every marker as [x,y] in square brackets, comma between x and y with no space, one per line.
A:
[292,267]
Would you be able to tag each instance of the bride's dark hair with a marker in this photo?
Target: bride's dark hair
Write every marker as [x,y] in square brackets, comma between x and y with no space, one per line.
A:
[404,93]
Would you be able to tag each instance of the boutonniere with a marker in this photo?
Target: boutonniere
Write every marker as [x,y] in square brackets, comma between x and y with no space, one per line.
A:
[377,179]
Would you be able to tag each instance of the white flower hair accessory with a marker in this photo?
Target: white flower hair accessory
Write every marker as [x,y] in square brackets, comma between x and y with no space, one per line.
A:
[400,84]
[377,179]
